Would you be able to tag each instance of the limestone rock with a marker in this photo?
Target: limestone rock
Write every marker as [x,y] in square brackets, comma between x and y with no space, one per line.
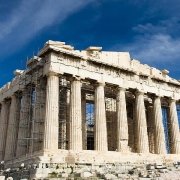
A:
[110,176]
[86,174]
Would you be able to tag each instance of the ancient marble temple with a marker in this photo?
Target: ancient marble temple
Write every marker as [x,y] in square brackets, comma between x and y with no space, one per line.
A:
[89,106]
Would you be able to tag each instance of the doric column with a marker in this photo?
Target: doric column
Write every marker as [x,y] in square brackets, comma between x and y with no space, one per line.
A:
[51,113]
[23,131]
[100,119]
[75,116]
[122,124]
[63,118]
[160,144]
[68,118]
[174,128]
[150,125]
[12,131]
[141,123]
[3,127]
[39,114]
[84,125]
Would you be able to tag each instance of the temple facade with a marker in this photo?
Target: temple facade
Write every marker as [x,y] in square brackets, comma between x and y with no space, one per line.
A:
[89,106]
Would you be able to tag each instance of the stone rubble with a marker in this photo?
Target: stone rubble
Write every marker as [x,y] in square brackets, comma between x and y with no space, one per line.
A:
[156,171]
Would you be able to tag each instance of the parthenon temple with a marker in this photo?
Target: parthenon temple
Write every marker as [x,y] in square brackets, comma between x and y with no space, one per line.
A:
[89,106]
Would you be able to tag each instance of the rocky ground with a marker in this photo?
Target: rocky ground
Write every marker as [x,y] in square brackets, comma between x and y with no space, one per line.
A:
[157,171]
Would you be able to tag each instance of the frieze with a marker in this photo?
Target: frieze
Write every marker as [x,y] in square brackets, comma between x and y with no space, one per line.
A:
[113,72]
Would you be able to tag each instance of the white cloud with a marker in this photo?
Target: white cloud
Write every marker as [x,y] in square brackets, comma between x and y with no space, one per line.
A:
[168,26]
[156,48]
[155,44]
[31,17]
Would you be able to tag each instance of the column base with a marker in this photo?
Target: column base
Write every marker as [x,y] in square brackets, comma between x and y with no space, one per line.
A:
[124,146]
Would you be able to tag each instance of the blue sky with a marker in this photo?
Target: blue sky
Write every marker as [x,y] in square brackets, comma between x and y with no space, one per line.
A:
[149,29]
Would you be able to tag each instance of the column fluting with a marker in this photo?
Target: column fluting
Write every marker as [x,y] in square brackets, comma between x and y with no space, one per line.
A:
[100,119]
[12,130]
[122,123]
[150,125]
[39,115]
[51,113]
[141,123]
[75,116]
[160,144]
[3,127]
[84,125]
[174,128]
[24,123]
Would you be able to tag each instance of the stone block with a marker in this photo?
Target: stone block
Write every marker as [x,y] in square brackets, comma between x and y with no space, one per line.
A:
[110,176]
[159,166]
[150,167]
[162,170]
[64,175]
[86,174]
[76,175]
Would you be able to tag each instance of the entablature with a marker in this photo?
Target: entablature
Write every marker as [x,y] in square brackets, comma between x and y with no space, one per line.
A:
[98,72]
[111,67]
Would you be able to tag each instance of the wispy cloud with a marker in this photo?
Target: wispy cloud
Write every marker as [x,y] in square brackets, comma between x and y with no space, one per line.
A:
[167,26]
[156,39]
[31,17]
[157,48]
[155,44]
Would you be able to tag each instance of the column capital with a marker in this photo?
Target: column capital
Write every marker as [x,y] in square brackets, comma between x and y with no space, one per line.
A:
[13,96]
[75,78]
[172,100]
[53,74]
[156,96]
[139,92]
[100,83]
[121,88]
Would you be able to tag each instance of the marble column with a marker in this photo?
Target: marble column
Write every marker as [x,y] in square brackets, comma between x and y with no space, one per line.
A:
[12,131]
[160,144]
[100,119]
[23,131]
[84,125]
[75,116]
[63,118]
[174,128]
[141,124]
[68,118]
[150,124]
[39,113]
[3,127]
[122,123]
[51,113]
